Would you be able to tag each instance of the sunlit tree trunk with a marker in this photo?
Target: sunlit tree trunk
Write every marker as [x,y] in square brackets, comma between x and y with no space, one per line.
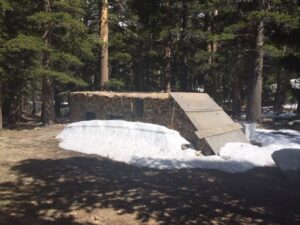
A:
[104,72]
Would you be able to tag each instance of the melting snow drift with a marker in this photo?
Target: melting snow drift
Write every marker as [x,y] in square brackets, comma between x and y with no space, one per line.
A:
[155,146]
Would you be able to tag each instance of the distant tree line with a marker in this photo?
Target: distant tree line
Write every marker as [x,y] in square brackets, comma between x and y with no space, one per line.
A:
[243,53]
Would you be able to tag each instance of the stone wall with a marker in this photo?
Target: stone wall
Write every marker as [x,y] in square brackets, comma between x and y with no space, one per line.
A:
[157,108]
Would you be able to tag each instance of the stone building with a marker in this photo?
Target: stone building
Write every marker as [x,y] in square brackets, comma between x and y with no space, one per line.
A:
[195,115]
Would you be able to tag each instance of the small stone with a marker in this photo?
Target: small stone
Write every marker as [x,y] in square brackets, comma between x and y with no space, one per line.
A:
[198,153]
[185,146]
[95,218]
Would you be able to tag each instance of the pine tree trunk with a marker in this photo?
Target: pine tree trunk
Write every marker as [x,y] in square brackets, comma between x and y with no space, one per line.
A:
[168,52]
[281,91]
[11,103]
[33,104]
[168,73]
[57,105]
[104,76]
[48,102]
[139,73]
[283,84]
[47,87]
[253,112]
[211,82]
[296,93]
[236,87]
[185,81]
[1,118]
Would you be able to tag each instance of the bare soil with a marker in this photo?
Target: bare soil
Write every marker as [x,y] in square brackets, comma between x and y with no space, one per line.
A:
[42,184]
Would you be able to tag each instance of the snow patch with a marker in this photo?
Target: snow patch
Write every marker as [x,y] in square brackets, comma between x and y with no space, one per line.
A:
[272,115]
[155,146]
[295,83]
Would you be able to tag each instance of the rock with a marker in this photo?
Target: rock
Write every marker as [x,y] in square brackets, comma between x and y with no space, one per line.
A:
[198,153]
[185,146]
[288,161]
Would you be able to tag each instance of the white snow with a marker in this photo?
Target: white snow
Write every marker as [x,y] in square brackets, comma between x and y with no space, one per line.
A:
[290,106]
[295,83]
[249,130]
[268,113]
[155,146]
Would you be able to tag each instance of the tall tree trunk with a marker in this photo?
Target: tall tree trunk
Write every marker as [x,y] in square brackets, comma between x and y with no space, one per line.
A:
[168,51]
[1,118]
[211,82]
[185,80]
[57,105]
[296,93]
[10,104]
[33,111]
[104,76]
[281,90]
[168,72]
[48,114]
[236,87]
[283,84]
[47,87]
[253,112]
[139,73]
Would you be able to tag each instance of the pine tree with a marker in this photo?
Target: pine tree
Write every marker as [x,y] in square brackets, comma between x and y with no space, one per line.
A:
[4,5]
[65,42]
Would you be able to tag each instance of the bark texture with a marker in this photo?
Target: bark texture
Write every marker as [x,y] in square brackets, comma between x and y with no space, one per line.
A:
[168,51]
[253,112]
[104,71]
[236,87]
[47,88]
[282,88]
[1,118]
[212,47]
[168,73]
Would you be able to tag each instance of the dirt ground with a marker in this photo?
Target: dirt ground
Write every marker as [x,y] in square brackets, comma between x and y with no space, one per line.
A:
[42,184]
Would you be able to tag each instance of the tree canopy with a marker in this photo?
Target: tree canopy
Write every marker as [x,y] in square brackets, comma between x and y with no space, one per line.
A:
[52,47]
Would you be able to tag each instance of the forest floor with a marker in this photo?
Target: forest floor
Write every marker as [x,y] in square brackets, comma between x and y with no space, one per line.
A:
[43,184]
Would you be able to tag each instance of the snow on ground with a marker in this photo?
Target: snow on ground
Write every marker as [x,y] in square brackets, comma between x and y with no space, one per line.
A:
[155,146]
[284,115]
[287,114]
[295,83]
[290,106]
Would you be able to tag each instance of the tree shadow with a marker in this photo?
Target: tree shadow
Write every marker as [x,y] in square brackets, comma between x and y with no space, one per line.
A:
[47,191]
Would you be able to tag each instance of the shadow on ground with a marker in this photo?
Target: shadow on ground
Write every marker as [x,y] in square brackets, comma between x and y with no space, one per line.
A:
[47,191]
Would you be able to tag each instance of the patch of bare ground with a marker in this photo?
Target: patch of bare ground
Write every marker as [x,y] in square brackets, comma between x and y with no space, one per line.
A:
[42,184]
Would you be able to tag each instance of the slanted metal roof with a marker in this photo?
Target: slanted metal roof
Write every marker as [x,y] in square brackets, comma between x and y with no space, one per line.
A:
[210,120]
